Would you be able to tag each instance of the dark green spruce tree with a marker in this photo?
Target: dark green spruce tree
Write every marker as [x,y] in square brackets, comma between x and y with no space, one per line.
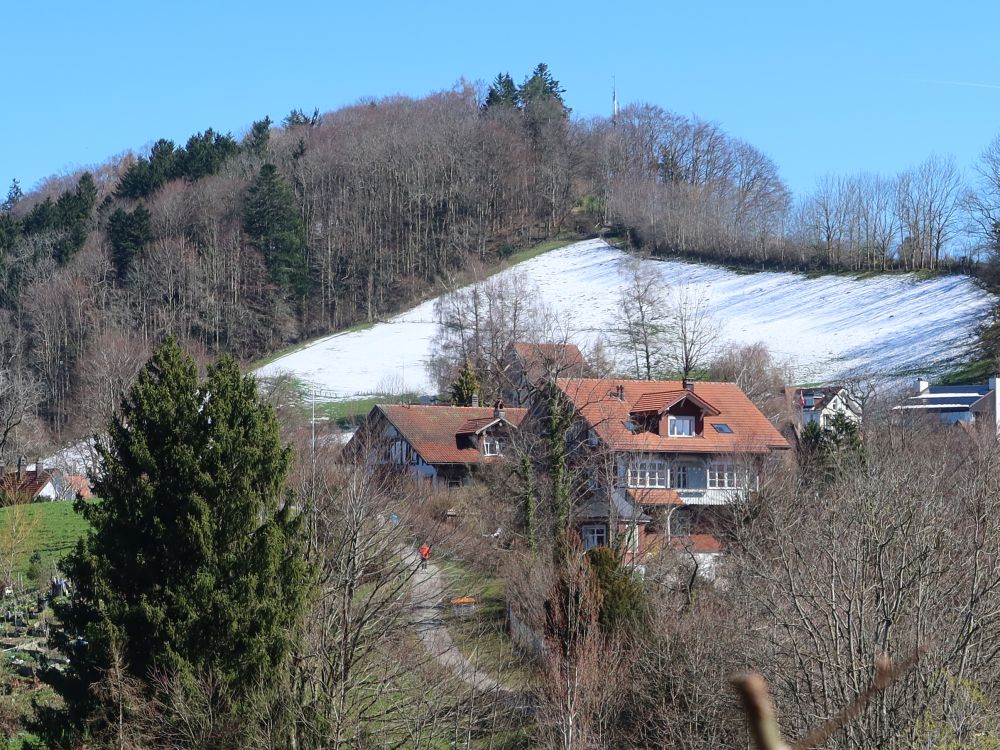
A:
[272,221]
[503,92]
[257,139]
[128,233]
[14,196]
[542,101]
[195,563]
[466,386]
[73,209]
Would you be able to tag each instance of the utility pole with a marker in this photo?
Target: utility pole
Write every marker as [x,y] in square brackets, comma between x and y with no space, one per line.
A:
[312,484]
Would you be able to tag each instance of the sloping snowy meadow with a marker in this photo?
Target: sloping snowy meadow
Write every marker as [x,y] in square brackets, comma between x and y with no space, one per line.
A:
[827,327]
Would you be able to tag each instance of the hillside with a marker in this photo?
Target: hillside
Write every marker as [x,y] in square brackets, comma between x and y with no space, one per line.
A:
[827,327]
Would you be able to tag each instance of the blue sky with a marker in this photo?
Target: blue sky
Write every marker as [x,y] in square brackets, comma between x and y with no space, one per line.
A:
[820,87]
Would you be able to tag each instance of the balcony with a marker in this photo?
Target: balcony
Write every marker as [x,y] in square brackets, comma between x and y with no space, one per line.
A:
[705,496]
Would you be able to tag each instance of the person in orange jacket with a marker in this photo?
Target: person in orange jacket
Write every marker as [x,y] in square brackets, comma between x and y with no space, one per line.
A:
[425,553]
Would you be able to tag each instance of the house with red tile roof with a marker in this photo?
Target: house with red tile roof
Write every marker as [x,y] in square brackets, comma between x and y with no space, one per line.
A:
[40,484]
[675,452]
[26,487]
[441,444]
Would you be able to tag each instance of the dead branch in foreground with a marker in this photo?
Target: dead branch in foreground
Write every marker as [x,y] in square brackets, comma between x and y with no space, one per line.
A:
[763,723]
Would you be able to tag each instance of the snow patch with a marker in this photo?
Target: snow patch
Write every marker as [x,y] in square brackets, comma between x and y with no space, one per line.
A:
[828,327]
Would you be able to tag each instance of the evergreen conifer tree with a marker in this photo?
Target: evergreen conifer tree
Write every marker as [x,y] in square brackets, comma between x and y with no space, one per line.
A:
[621,592]
[466,386]
[542,87]
[503,92]
[542,102]
[259,136]
[128,233]
[195,562]
[73,210]
[271,219]
[14,195]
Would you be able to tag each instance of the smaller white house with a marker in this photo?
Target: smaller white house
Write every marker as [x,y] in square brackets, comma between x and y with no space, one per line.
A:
[821,404]
[34,483]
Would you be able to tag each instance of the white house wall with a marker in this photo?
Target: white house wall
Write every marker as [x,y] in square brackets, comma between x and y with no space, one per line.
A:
[48,492]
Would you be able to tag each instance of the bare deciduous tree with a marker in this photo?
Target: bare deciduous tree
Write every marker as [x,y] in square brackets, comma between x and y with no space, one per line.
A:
[694,331]
[20,394]
[480,323]
[643,336]
[754,369]
[16,530]
[927,206]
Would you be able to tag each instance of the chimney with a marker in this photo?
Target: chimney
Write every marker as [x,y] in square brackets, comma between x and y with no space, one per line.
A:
[498,412]
[621,393]
[475,399]
[38,467]
[922,384]
[688,386]
[20,465]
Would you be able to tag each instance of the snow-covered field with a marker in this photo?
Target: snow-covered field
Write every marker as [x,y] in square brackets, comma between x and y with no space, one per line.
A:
[826,327]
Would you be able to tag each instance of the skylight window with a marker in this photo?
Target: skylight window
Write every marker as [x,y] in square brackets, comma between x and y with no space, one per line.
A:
[723,428]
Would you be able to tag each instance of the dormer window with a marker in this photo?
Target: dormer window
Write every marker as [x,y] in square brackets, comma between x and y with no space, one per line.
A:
[492,446]
[681,426]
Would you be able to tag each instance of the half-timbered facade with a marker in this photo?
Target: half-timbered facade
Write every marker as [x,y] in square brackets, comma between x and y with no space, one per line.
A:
[441,444]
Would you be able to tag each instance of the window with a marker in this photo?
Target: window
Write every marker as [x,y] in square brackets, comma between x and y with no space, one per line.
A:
[594,535]
[397,452]
[649,474]
[808,401]
[492,446]
[723,428]
[632,538]
[725,476]
[682,522]
[681,426]
[680,477]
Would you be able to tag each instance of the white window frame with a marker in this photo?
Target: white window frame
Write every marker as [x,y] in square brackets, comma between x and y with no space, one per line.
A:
[632,538]
[648,474]
[674,425]
[590,532]
[492,446]
[726,475]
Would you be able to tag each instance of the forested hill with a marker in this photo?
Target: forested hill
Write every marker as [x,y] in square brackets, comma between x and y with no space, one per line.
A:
[322,221]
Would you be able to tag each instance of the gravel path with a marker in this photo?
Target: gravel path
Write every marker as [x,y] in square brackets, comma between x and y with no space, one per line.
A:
[427,596]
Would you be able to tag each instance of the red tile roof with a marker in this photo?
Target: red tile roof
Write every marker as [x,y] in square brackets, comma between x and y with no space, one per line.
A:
[477,425]
[596,400]
[28,485]
[655,497]
[661,401]
[697,543]
[436,432]
[822,396]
